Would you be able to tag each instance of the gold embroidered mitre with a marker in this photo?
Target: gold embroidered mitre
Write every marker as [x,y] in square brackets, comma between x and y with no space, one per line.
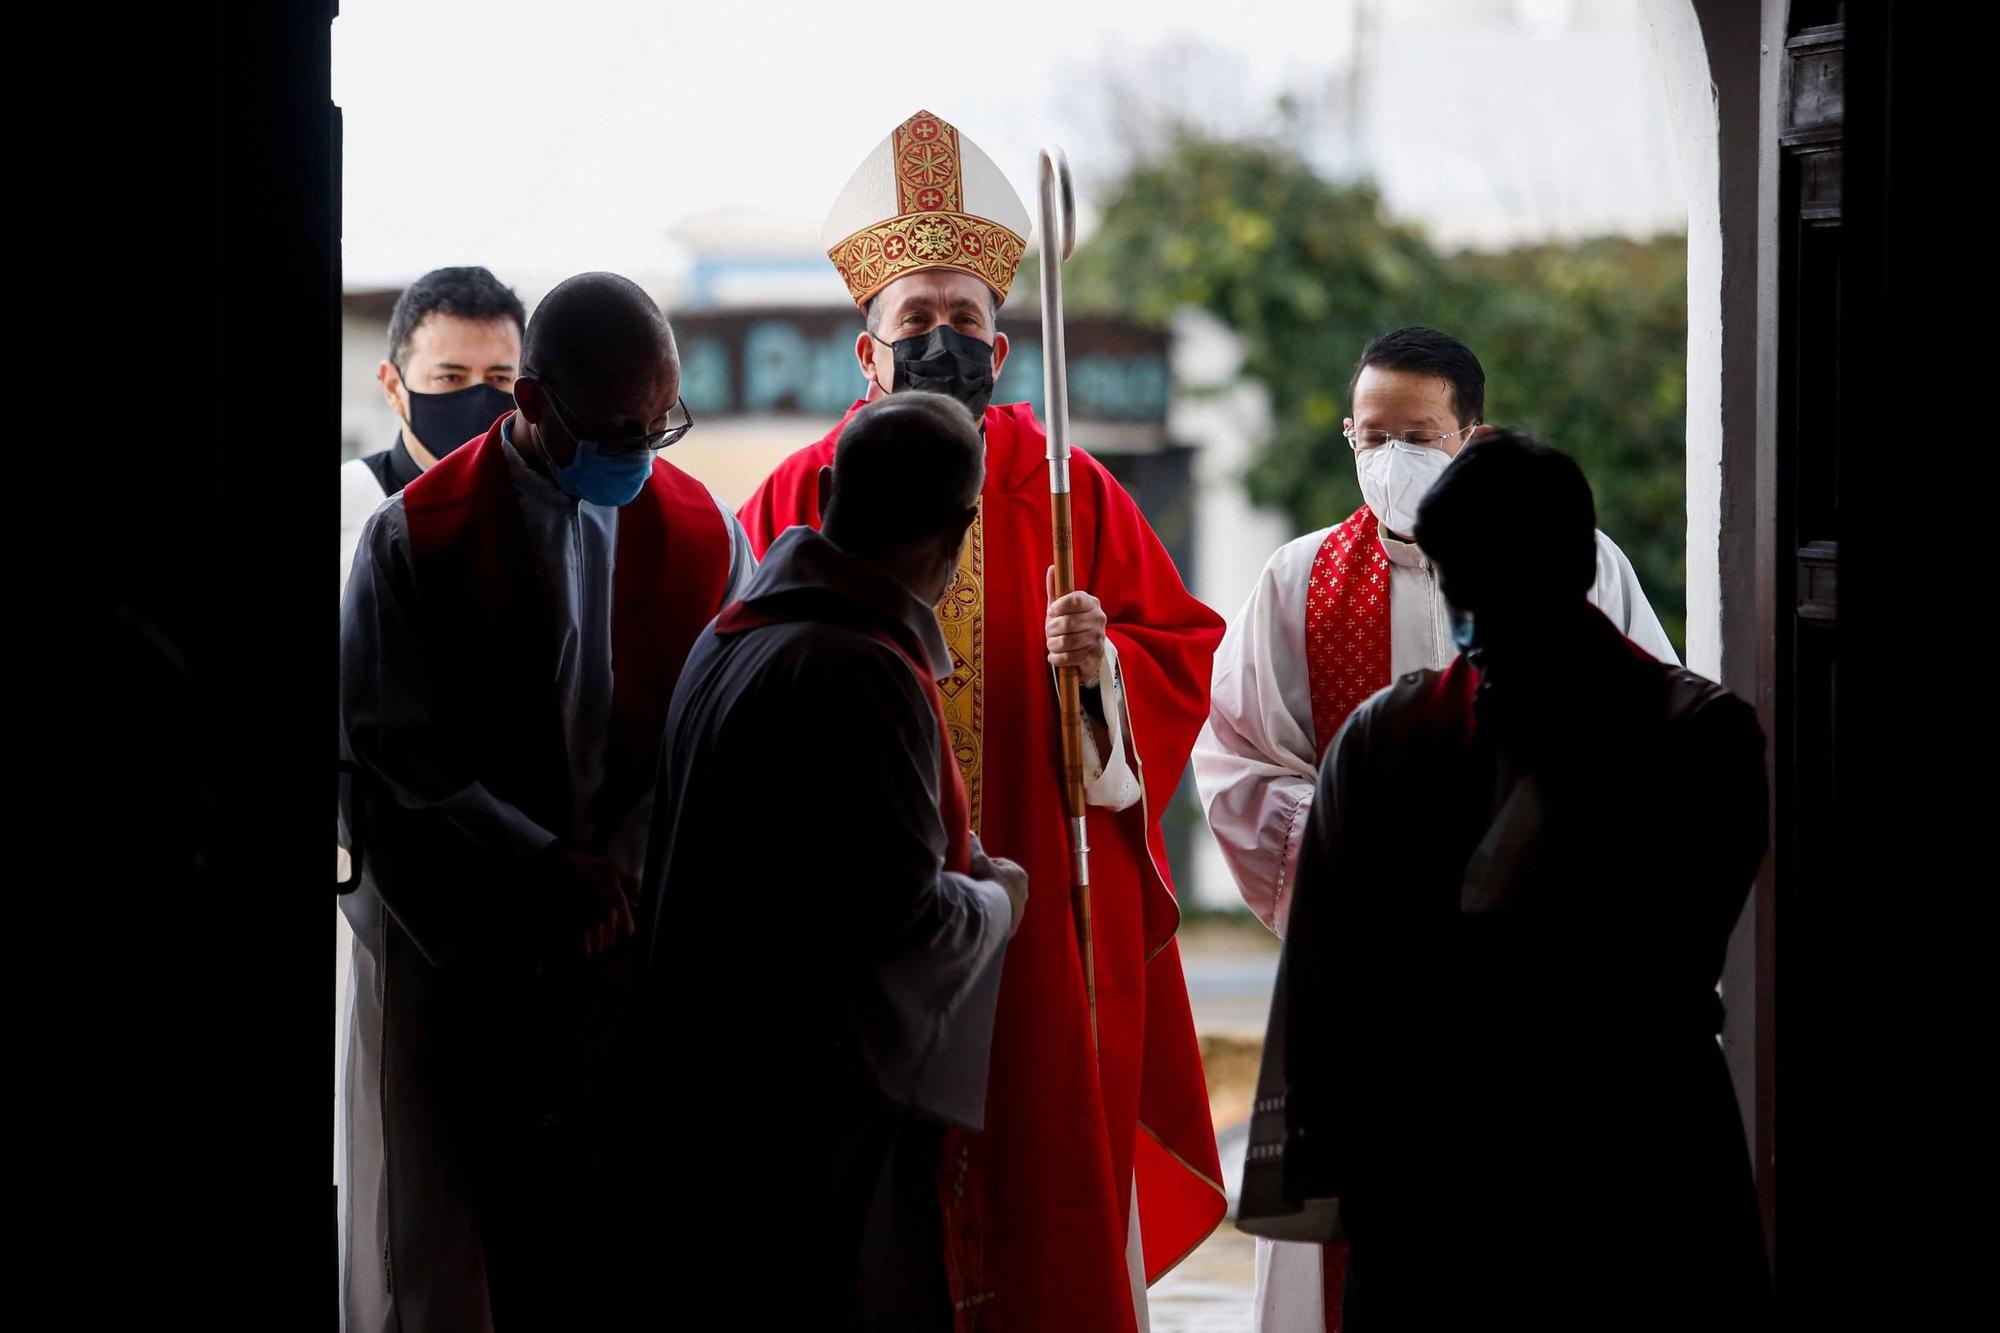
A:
[926,197]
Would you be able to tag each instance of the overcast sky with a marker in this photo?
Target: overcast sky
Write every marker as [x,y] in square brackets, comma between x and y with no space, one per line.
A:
[544,139]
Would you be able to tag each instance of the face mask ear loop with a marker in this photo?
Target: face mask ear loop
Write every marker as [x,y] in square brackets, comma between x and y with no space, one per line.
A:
[873,370]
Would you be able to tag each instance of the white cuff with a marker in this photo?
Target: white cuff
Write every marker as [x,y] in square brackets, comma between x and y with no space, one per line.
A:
[1112,785]
[1288,863]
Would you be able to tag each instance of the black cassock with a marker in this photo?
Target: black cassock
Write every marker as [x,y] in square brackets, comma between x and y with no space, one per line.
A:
[1492,1062]
[816,989]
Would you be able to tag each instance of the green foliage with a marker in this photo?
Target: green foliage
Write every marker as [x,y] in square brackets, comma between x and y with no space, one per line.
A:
[1583,344]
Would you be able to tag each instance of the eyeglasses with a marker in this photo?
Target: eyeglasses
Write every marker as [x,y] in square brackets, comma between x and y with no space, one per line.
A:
[1358,440]
[679,422]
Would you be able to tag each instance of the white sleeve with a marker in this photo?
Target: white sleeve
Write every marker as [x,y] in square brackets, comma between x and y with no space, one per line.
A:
[742,559]
[1255,761]
[1618,595]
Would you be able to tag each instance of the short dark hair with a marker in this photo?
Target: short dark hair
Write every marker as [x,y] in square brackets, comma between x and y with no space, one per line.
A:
[1510,516]
[1423,351]
[907,468]
[468,293]
[872,318]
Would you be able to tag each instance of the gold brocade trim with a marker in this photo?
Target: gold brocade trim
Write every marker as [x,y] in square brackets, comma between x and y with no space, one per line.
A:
[928,178]
[1184,1163]
[876,256]
[961,614]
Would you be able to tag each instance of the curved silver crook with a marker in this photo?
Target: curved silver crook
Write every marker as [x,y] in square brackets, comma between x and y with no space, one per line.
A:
[1058,200]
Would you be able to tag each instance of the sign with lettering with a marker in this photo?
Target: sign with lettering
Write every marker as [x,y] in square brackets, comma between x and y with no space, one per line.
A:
[801,361]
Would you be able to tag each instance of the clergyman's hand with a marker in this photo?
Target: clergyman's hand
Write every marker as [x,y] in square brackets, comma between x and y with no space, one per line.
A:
[1074,630]
[586,904]
[1008,876]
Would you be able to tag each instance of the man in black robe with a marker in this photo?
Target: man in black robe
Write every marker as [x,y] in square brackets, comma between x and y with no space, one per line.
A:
[509,643]
[820,934]
[1492,1061]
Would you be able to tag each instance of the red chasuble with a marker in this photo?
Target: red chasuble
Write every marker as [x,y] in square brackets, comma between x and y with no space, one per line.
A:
[490,635]
[1036,1206]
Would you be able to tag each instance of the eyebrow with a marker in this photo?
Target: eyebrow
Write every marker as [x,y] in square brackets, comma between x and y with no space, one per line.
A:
[1362,423]
[924,305]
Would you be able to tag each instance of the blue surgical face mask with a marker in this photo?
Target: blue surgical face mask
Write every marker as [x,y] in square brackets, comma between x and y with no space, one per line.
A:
[611,480]
[608,480]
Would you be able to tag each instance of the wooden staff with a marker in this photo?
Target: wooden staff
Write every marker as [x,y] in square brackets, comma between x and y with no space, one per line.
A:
[1058,220]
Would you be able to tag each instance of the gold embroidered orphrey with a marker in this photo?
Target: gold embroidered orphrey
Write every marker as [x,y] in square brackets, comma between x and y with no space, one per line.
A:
[928,179]
[961,614]
[931,229]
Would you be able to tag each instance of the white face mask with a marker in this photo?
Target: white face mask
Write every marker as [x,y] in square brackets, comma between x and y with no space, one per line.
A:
[1395,477]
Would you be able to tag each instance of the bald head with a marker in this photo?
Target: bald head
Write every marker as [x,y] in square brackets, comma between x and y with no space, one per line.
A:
[598,331]
[599,347]
[596,326]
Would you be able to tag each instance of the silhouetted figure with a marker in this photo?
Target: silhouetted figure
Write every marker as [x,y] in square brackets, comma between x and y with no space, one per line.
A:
[1492,1059]
[821,936]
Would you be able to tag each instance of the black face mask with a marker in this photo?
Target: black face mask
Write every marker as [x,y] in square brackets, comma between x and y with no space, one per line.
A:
[948,362]
[444,421]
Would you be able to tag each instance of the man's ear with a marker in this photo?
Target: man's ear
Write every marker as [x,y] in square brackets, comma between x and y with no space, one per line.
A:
[825,492]
[393,388]
[999,352]
[1475,433]
[528,397]
[864,356]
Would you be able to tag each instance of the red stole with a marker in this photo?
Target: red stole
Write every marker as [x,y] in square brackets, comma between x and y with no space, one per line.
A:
[1347,623]
[1037,1204]
[490,638]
